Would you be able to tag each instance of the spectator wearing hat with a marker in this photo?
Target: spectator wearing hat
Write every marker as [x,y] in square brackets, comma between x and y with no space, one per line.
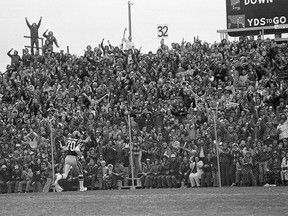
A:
[164,171]
[5,177]
[173,178]
[235,153]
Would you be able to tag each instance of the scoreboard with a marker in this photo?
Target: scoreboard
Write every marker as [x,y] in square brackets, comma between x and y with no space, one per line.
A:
[256,13]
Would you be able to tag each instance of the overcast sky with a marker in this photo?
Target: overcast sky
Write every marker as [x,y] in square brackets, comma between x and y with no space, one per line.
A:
[77,23]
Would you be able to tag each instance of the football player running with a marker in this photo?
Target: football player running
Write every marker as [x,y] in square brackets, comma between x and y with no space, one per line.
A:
[73,146]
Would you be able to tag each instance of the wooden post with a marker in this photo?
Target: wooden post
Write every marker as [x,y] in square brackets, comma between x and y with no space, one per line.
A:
[40,47]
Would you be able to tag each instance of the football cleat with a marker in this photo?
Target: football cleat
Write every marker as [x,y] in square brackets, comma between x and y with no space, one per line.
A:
[83,189]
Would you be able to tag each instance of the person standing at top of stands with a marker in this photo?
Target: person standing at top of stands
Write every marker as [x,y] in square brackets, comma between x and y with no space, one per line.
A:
[34,34]
[52,40]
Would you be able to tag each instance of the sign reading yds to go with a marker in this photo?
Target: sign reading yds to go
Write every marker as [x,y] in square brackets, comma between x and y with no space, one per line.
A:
[255,13]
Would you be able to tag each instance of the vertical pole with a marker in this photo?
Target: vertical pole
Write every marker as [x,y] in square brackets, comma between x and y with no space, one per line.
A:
[278,35]
[67,49]
[129,20]
[52,153]
[226,36]
[131,156]
[42,45]
[217,144]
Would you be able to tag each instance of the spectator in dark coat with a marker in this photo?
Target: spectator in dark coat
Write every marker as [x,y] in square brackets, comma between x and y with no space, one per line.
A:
[15,59]
[164,171]
[91,173]
[225,162]
[184,171]
[5,177]
[173,178]
[16,178]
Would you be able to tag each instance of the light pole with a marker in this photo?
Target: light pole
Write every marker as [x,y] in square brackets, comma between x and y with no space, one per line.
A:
[129,20]
[217,144]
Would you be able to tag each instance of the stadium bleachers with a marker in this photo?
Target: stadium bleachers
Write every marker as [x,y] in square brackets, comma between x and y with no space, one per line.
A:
[171,96]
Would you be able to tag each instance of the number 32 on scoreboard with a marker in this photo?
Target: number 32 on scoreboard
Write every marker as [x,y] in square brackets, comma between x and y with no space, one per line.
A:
[162,31]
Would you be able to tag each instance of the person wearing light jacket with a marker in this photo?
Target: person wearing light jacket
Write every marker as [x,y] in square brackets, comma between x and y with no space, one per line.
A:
[196,171]
[27,175]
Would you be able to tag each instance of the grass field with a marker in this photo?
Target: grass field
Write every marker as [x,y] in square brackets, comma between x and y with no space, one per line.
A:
[200,201]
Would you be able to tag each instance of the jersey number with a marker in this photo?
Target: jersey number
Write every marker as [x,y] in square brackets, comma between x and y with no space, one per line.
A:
[71,145]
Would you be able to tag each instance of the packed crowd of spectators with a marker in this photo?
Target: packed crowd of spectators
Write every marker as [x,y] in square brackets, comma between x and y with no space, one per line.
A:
[178,98]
